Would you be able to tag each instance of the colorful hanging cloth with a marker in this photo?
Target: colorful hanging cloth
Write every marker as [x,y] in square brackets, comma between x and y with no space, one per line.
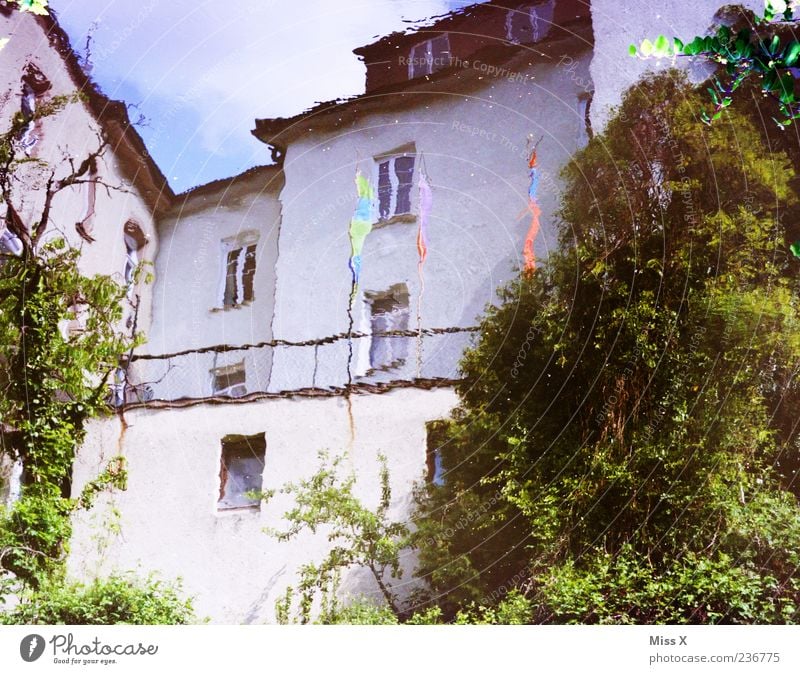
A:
[360,224]
[425,205]
[533,207]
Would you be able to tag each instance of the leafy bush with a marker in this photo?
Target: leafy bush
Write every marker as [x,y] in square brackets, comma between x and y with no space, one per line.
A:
[627,438]
[118,599]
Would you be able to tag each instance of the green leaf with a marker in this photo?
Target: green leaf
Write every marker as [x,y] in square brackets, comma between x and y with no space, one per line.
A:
[661,46]
[791,54]
[34,6]
[677,45]
[776,6]
[632,50]
[646,47]
[695,46]
[795,248]
[787,88]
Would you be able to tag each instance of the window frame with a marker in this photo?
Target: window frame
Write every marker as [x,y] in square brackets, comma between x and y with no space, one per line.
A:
[391,158]
[427,63]
[257,445]
[242,243]
[227,371]
[399,293]
[533,19]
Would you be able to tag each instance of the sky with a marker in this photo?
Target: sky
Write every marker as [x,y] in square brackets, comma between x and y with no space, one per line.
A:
[197,74]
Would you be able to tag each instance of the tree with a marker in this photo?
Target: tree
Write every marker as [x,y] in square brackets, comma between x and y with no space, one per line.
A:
[364,538]
[626,445]
[61,342]
[361,537]
[48,396]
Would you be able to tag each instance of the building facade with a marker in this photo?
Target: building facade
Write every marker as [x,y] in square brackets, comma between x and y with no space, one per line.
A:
[109,214]
[263,350]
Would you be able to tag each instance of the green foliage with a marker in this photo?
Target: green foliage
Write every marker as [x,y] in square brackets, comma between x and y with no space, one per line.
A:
[35,6]
[759,50]
[515,609]
[360,611]
[55,381]
[359,537]
[60,342]
[627,432]
[120,599]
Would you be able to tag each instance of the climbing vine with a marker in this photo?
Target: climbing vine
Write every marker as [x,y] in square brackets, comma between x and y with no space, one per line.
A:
[60,343]
[765,49]
[59,346]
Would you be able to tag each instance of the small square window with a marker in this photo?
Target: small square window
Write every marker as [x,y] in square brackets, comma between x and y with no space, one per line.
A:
[229,381]
[388,313]
[241,470]
[529,23]
[395,178]
[429,56]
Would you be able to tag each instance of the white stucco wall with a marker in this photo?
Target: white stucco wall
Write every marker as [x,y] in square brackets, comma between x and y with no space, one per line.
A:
[169,521]
[475,151]
[72,132]
[476,158]
[188,275]
[620,24]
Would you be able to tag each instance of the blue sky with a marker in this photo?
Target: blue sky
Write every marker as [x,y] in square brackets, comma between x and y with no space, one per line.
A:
[200,72]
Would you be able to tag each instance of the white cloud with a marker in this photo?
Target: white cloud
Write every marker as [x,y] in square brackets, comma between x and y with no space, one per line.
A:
[220,65]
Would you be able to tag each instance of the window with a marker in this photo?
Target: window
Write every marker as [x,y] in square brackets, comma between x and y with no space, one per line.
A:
[241,470]
[429,56]
[529,23]
[84,225]
[229,381]
[239,259]
[388,312]
[435,439]
[34,85]
[583,110]
[135,240]
[28,136]
[10,243]
[395,177]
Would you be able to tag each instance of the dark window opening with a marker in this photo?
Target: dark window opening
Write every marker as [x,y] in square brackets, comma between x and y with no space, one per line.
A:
[240,271]
[529,23]
[429,57]
[435,437]
[395,179]
[241,470]
[34,85]
[230,381]
[388,313]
